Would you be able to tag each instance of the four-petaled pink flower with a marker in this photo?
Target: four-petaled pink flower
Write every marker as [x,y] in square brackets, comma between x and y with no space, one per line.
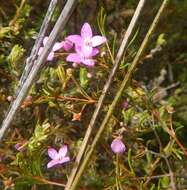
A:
[86,40]
[66,45]
[58,157]
[118,146]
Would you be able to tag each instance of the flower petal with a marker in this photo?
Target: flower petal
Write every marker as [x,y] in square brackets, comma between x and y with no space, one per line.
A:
[45,40]
[63,151]
[86,31]
[40,50]
[64,160]
[73,57]
[87,50]
[88,62]
[78,49]
[98,40]
[125,104]
[50,56]
[52,163]
[67,45]
[95,51]
[57,46]
[76,39]
[52,153]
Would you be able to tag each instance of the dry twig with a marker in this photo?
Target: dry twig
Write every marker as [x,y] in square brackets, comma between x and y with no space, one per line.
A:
[59,26]
[104,92]
[128,76]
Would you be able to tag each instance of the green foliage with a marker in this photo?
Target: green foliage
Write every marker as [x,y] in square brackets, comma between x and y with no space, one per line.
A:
[15,54]
[39,137]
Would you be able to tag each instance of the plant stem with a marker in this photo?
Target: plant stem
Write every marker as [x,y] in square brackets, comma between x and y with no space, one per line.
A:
[117,172]
[172,180]
[18,12]
[122,48]
[118,95]
[79,87]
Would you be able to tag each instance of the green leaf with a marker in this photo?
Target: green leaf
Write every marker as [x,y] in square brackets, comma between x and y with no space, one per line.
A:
[16,53]
[130,161]
[178,153]
[152,187]
[5,32]
[165,181]
[83,77]
[161,41]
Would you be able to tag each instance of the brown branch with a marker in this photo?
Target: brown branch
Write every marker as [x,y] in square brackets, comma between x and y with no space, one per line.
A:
[18,12]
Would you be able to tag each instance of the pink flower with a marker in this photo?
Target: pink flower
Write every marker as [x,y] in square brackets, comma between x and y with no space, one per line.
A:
[20,146]
[118,146]
[86,40]
[125,104]
[79,57]
[66,45]
[17,146]
[58,157]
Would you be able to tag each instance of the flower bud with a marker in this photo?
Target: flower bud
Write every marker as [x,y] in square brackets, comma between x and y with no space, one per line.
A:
[9,98]
[28,98]
[89,75]
[125,105]
[103,53]
[118,146]
[75,65]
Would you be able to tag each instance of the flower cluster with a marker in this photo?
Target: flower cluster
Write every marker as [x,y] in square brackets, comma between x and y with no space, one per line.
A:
[66,45]
[85,46]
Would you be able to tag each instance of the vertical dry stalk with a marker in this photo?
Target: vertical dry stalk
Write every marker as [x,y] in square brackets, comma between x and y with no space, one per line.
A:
[118,95]
[59,26]
[33,55]
[32,58]
[105,90]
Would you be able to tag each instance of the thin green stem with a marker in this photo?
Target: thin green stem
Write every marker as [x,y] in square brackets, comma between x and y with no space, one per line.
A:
[79,87]
[118,95]
[18,12]
[129,162]
[117,171]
